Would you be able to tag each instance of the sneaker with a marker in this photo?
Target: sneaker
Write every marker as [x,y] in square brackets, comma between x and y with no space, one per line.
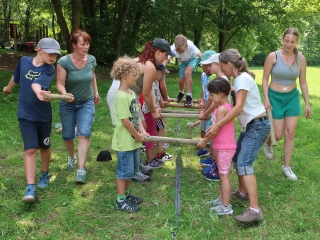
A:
[146,170]
[203,153]
[164,157]
[126,205]
[288,172]
[31,194]
[222,210]
[81,176]
[188,101]
[134,199]
[190,127]
[214,203]
[140,177]
[206,162]
[44,180]
[142,150]
[165,145]
[250,216]
[154,163]
[72,163]
[237,194]
[212,176]
[179,97]
[268,151]
[212,167]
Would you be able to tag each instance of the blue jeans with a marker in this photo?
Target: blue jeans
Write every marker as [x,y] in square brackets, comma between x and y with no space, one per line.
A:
[249,144]
[128,164]
[76,114]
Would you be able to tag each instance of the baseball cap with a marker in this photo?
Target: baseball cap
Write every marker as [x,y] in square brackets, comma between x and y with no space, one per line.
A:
[162,44]
[104,155]
[206,55]
[49,45]
[161,67]
[214,58]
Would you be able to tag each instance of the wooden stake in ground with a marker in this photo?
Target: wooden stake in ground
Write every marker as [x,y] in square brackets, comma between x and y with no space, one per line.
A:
[272,133]
[179,115]
[183,141]
[180,105]
[56,96]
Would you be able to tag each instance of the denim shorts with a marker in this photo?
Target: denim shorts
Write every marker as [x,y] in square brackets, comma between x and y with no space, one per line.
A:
[128,164]
[76,114]
[285,104]
[183,65]
[35,134]
[249,144]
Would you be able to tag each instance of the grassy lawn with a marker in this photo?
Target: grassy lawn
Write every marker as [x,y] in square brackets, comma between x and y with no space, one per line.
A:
[66,210]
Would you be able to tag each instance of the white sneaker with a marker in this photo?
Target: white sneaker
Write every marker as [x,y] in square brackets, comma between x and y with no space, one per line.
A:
[190,127]
[288,172]
[268,151]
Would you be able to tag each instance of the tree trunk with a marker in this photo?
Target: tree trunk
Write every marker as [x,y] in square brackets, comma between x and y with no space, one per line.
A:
[52,25]
[62,23]
[27,23]
[75,19]
[123,11]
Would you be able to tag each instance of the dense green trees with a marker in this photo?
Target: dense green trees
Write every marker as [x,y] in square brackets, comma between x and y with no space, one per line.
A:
[118,27]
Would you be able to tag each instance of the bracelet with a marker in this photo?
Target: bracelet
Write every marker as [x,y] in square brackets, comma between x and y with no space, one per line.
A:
[219,124]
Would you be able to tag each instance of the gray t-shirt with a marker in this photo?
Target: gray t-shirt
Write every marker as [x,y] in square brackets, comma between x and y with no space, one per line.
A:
[79,81]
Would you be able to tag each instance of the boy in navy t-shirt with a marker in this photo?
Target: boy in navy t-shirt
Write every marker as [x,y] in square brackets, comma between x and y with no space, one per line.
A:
[35,74]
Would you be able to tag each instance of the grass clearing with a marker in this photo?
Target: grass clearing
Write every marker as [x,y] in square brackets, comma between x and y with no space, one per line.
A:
[67,210]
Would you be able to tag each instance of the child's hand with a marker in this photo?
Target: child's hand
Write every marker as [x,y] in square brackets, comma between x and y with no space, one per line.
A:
[139,138]
[6,91]
[40,94]
[202,116]
[145,134]
[202,143]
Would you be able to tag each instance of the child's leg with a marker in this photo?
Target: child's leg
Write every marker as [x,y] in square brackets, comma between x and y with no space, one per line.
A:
[30,165]
[181,84]
[160,133]
[188,79]
[225,189]
[45,156]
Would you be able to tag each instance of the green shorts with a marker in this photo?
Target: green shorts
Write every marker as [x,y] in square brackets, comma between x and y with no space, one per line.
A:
[285,104]
[183,65]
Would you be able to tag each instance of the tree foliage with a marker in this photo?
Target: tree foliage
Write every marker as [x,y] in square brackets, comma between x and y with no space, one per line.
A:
[255,27]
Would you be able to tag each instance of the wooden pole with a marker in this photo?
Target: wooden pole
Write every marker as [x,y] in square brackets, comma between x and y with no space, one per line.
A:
[179,111]
[171,140]
[14,37]
[174,100]
[180,115]
[272,133]
[56,96]
[178,105]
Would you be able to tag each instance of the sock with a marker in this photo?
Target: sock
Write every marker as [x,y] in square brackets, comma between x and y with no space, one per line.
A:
[257,210]
[242,194]
[189,94]
[121,197]
[127,192]
[159,154]
[182,91]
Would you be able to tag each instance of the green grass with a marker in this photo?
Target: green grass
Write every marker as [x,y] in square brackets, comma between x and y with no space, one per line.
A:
[67,210]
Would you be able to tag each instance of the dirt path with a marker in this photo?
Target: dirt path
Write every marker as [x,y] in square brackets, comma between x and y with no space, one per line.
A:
[8,61]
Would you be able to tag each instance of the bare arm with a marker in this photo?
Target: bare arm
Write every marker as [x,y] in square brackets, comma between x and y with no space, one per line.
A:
[163,90]
[211,107]
[8,89]
[61,81]
[304,86]
[39,92]
[268,64]
[235,111]
[95,88]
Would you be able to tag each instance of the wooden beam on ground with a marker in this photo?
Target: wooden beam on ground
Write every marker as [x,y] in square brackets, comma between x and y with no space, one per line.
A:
[179,111]
[174,100]
[56,96]
[180,105]
[180,115]
[171,140]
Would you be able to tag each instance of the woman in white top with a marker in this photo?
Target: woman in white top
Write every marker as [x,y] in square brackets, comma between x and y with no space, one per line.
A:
[255,127]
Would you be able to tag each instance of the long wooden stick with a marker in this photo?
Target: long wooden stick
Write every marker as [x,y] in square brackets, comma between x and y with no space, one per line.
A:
[175,100]
[180,115]
[56,96]
[272,133]
[179,111]
[172,140]
[178,105]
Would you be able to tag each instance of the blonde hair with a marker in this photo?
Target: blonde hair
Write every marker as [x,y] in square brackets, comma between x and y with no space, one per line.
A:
[294,32]
[180,41]
[124,66]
